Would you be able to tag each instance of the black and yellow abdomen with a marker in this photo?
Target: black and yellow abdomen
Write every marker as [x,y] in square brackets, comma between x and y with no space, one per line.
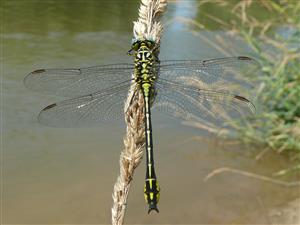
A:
[151,188]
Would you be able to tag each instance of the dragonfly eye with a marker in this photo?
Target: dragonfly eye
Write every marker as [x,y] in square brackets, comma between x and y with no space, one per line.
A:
[150,44]
[135,46]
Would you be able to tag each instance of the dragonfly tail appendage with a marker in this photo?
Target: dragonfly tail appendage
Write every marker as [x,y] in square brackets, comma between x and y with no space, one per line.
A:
[153,207]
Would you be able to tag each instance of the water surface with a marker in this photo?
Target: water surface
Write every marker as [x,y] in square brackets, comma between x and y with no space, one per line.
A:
[66,176]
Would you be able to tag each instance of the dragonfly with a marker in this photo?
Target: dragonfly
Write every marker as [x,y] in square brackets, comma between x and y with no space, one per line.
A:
[181,88]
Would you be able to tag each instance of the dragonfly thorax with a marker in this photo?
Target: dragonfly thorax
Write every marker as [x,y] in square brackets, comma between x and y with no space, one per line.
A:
[144,61]
[144,54]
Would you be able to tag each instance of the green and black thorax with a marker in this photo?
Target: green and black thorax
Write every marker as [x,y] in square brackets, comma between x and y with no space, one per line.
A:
[145,65]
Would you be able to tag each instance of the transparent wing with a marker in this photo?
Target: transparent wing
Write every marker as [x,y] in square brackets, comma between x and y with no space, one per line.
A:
[87,110]
[77,82]
[239,70]
[210,91]
[191,101]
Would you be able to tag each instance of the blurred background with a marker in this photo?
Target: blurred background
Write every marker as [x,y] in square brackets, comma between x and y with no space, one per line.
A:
[66,176]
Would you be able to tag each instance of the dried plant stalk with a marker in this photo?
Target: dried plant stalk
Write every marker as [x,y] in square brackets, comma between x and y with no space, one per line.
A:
[130,157]
[147,26]
[253,175]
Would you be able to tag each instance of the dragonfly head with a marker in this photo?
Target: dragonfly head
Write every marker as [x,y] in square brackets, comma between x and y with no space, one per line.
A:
[142,44]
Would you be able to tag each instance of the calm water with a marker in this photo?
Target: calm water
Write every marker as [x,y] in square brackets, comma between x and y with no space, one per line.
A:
[66,176]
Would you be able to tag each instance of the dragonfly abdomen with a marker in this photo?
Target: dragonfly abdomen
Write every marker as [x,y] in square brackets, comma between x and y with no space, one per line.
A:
[151,188]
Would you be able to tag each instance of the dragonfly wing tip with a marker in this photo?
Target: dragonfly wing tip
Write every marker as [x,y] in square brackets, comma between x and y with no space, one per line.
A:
[49,107]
